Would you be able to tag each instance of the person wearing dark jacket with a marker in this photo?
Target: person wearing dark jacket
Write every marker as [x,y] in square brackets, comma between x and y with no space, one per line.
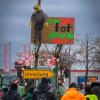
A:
[44,91]
[29,94]
[96,91]
[12,94]
[96,88]
[5,90]
[90,93]
[39,19]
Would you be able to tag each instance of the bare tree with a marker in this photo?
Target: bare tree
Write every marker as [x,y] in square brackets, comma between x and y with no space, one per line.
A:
[68,58]
[97,53]
[86,54]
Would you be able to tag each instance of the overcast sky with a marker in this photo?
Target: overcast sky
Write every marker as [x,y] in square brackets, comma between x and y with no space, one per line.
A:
[15,16]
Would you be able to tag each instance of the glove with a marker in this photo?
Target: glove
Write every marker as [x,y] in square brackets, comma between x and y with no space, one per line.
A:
[46,24]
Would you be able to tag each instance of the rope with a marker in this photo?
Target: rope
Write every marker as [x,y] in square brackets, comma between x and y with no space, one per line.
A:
[39,2]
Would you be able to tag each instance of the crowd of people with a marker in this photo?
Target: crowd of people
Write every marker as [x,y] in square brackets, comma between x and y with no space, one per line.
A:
[45,91]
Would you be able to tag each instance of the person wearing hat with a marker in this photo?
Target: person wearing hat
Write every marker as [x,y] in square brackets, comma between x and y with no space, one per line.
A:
[73,93]
[91,93]
[21,89]
[44,91]
[12,94]
[39,19]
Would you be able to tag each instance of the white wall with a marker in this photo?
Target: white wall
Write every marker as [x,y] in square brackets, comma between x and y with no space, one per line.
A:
[75,74]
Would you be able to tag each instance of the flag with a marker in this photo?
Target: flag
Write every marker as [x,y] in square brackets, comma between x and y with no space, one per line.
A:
[6,57]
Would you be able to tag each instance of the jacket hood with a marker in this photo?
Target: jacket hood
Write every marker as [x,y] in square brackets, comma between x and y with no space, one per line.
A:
[44,87]
[72,93]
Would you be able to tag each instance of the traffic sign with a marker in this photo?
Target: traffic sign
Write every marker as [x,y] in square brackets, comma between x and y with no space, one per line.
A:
[36,74]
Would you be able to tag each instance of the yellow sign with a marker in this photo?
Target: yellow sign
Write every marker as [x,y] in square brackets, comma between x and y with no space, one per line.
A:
[36,74]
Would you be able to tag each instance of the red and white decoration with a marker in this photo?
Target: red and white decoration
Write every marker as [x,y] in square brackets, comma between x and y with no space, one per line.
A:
[6,57]
[51,62]
[25,58]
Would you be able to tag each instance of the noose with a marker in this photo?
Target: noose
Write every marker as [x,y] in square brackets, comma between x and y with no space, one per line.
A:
[39,2]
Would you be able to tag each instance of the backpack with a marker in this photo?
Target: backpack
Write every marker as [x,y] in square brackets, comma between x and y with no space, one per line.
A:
[41,96]
[12,96]
[37,95]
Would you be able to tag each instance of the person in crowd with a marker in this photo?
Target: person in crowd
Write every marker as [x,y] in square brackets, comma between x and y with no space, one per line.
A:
[12,94]
[5,90]
[29,94]
[96,87]
[81,87]
[44,91]
[23,97]
[61,88]
[1,94]
[87,90]
[21,89]
[96,91]
[73,93]
[91,93]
